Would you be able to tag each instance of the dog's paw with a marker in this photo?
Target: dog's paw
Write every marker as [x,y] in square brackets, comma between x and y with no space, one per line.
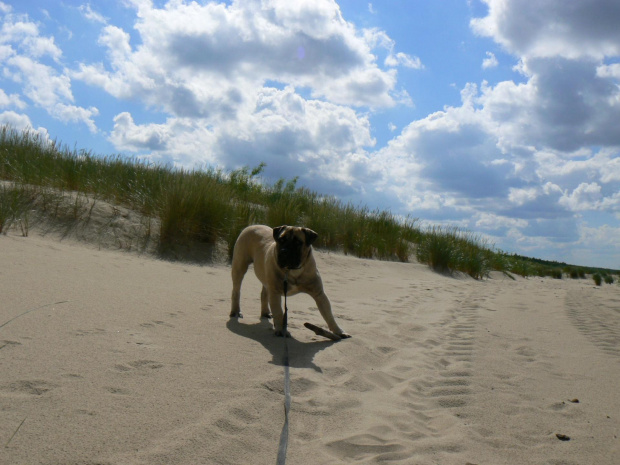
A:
[344,335]
[236,315]
[282,334]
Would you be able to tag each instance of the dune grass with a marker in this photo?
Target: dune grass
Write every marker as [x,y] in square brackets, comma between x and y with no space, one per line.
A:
[211,207]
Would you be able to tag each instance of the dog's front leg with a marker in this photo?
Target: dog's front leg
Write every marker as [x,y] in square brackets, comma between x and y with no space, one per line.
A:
[325,307]
[275,302]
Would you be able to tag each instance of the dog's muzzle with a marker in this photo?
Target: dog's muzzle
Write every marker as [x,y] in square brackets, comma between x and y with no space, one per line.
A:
[289,259]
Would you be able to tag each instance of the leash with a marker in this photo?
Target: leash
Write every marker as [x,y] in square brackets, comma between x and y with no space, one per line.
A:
[282,447]
[32,310]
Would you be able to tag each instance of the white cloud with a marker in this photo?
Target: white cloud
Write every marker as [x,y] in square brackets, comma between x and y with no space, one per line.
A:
[490,61]
[74,114]
[375,37]
[587,196]
[24,36]
[191,48]
[506,152]
[609,71]
[402,59]
[206,67]
[553,28]
[20,121]
[520,196]
[607,237]
[126,135]
[490,222]
[514,158]
[563,105]
[16,120]
[42,84]
[21,51]
[92,15]
[12,100]
[283,130]
[295,85]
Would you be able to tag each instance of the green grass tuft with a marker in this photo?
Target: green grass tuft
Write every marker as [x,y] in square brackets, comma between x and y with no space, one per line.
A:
[184,209]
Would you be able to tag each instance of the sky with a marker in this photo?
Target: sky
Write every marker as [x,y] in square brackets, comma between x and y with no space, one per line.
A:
[501,117]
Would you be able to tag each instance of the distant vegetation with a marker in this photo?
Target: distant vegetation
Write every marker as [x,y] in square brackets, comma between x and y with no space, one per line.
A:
[181,209]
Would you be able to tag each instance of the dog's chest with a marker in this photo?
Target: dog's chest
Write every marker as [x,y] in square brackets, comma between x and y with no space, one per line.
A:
[294,286]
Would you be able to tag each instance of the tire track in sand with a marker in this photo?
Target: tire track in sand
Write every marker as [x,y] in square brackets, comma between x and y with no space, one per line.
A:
[426,383]
[594,319]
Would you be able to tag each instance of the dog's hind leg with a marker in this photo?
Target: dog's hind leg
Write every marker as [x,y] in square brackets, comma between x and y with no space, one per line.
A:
[239,268]
[264,304]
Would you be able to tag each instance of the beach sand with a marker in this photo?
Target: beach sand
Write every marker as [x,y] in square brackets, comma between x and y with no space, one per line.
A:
[115,358]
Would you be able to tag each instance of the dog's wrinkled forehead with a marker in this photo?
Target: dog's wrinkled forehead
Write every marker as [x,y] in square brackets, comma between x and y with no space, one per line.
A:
[290,234]
[294,234]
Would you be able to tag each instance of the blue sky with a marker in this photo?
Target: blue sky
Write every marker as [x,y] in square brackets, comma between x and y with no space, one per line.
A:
[498,116]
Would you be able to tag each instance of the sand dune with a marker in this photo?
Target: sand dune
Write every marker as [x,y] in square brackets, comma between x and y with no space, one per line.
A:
[114,358]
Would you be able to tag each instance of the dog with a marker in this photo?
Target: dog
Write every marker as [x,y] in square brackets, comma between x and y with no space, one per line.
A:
[285,251]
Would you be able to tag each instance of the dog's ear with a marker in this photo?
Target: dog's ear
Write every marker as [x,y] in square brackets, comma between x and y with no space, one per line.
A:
[311,236]
[277,231]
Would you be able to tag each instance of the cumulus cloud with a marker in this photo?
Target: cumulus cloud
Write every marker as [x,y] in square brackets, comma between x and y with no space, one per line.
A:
[92,15]
[521,160]
[296,85]
[20,121]
[553,28]
[282,128]
[208,59]
[22,49]
[230,79]
[128,136]
[490,61]
[586,196]
[402,59]
[16,120]
[12,100]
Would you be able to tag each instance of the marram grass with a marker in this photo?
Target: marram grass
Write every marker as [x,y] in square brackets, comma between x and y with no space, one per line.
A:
[207,207]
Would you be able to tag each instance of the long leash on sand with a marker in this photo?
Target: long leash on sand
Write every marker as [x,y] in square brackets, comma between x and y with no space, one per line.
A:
[283,446]
[287,384]
[32,310]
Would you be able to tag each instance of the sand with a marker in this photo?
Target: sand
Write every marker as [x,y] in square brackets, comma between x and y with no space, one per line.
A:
[115,358]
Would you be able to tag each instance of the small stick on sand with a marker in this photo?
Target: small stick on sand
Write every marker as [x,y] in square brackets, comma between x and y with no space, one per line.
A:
[322,332]
[14,433]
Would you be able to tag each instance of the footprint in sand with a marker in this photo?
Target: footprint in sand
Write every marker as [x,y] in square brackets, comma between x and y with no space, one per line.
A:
[118,391]
[364,446]
[7,343]
[28,387]
[138,364]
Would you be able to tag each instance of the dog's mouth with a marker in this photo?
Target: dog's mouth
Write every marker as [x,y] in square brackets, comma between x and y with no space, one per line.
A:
[289,261]
[288,265]
[291,268]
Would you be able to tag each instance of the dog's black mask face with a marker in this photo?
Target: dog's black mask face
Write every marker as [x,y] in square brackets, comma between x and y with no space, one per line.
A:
[293,245]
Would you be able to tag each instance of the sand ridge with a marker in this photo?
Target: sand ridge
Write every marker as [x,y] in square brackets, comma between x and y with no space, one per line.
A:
[124,359]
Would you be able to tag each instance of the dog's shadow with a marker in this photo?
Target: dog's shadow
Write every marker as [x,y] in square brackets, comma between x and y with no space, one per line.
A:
[300,354]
